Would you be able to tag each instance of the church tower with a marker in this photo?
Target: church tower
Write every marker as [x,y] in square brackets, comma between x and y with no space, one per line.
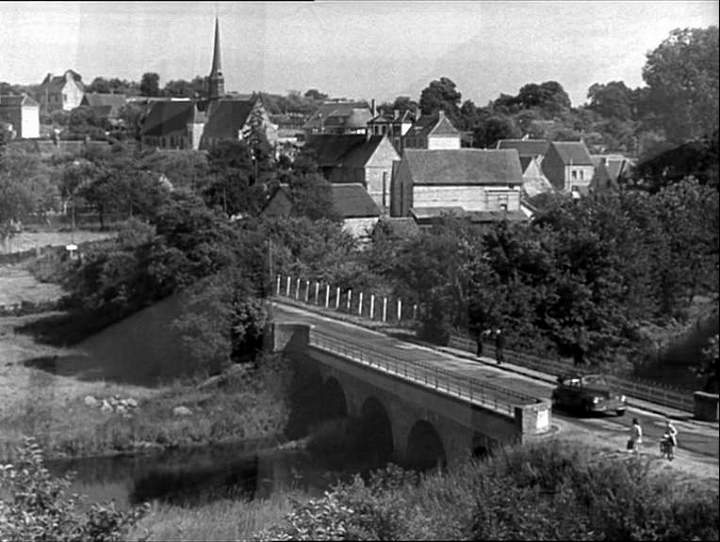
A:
[216,82]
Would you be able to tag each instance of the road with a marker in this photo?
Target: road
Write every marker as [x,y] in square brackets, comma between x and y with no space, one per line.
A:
[697,437]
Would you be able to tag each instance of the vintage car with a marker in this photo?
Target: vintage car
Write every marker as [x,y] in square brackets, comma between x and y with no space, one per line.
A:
[590,393]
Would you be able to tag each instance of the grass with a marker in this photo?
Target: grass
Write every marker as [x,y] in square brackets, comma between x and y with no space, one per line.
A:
[220,520]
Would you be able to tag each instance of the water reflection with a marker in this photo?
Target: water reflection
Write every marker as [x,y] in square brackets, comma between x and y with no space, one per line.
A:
[196,476]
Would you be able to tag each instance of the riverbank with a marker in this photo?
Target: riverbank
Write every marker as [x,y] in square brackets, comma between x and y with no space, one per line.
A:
[76,414]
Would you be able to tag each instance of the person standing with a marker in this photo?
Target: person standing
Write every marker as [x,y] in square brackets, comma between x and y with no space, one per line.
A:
[479,339]
[499,346]
[671,436]
[635,437]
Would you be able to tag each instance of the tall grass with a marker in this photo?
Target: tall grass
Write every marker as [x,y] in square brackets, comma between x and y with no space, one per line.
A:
[546,491]
[220,520]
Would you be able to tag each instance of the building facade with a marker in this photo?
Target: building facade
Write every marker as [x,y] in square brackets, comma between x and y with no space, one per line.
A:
[23,113]
[61,92]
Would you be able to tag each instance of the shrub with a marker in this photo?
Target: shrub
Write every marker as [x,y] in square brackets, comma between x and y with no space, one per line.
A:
[36,505]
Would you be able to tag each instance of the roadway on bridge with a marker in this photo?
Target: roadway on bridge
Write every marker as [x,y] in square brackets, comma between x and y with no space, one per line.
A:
[698,437]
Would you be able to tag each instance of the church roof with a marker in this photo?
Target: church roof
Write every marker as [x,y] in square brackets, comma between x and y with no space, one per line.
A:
[348,150]
[166,117]
[227,117]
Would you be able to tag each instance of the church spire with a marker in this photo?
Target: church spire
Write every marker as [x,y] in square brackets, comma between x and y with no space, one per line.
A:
[216,82]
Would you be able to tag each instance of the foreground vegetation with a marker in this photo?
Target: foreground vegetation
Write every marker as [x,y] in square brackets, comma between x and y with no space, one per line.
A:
[546,491]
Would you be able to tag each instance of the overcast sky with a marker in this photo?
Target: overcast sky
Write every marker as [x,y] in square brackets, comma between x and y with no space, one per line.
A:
[352,49]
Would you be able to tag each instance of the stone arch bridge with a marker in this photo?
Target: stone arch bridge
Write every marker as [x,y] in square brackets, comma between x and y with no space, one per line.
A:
[414,414]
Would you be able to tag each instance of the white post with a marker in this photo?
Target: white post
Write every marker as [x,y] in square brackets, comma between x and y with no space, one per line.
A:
[399,309]
[372,306]
[337,298]
[414,312]
[307,290]
[360,304]
[297,289]
[287,287]
[277,289]
[317,290]
[384,309]
[327,295]
[349,298]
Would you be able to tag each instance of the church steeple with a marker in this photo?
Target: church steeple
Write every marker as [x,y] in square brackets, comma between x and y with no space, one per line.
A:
[216,82]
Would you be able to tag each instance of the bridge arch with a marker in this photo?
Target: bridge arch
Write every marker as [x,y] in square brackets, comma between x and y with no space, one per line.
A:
[334,402]
[376,433]
[425,448]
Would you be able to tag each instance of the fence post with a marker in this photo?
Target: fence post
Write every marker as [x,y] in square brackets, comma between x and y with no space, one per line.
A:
[327,295]
[349,300]
[399,309]
[277,289]
[287,287]
[414,312]
[337,298]
[372,306]
[360,304]
[317,290]
[307,290]
[384,309]
[297,288]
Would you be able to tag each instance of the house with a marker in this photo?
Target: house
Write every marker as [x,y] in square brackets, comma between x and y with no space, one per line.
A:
[367,160]
[483,185]
[105,106]
[617,165]
[534,180]
[351,201]
[61,92]
[395,125]
[356,208]
[339,117]
[22,113]
[231,119]
[173,125]
[568,166]
[432,132]
[526,148]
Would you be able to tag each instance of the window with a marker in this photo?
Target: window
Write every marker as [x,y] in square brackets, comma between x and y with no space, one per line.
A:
[574,174]
[498,201]
[581,174]
[64,97]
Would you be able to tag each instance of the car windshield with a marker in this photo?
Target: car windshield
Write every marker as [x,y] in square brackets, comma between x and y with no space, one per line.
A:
[595,380]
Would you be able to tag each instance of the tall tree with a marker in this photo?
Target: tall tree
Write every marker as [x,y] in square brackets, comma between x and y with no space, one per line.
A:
[440,94]
[682,76]
[611,100]
[150,84]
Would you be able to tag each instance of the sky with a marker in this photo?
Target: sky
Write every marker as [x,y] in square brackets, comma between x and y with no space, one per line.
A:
[344,48]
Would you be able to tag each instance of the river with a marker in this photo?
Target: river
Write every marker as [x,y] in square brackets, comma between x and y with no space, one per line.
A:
[200,474]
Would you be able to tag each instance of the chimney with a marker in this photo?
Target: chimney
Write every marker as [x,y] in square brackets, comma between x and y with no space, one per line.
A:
[372,107]
[396,114]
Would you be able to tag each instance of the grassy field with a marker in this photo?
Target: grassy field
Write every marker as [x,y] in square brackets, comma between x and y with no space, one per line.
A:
[28,240]
[43,388]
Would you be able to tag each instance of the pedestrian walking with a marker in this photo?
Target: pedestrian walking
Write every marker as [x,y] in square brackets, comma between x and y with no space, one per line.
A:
[635,439]
[479,341]
[499,346]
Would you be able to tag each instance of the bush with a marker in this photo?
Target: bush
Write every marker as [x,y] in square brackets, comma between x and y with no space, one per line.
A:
[36,506]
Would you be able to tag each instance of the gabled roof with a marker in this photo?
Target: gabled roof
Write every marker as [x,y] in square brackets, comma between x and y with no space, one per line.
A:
[351,200]
[7,100]
[603,180]
[166,117]
[57,82]
[437,124]
[525,147]
[348,150]
[227,117]
[105,104]
[389,118]
[464,166]
[573,152]
[280,203]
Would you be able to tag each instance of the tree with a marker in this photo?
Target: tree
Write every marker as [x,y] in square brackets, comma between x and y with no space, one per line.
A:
[150,84]
[84,122]
[230,183]
[488,132]
[611,100]
[682,78]
[197,88]
[440,94]
[316,95]
[112,86]
[311,195]
[401,104]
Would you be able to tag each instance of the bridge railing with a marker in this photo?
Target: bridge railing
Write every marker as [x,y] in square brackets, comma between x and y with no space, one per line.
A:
[400,313]
[474,390]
